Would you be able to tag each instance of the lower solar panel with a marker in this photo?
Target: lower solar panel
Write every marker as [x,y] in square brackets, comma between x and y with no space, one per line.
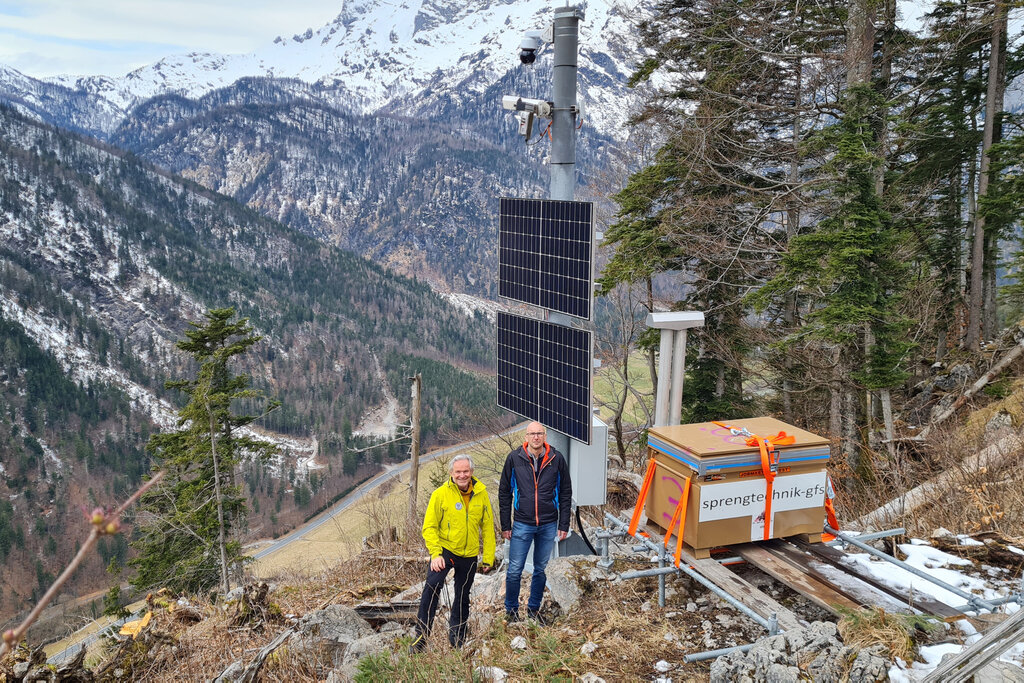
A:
[544,373]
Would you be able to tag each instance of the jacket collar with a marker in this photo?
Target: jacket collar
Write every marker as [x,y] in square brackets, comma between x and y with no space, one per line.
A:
[543,458]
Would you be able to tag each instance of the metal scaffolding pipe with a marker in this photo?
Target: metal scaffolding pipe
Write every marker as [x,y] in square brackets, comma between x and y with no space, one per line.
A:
[715,654]
[874,536]
[972,600]
[771,625]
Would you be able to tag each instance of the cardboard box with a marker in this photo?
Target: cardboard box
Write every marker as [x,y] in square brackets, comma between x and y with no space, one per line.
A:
[726,504]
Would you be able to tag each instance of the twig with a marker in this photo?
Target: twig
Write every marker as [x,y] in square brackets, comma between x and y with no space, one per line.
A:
[102,524]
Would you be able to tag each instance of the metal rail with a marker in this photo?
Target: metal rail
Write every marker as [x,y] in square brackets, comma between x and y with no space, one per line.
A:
[770,624]
[971,599]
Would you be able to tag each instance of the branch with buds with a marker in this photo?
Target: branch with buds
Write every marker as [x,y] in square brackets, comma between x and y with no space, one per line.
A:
[104,522]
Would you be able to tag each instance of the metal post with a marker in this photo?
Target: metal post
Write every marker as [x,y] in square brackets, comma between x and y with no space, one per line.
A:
[565,35]
[661,582]
[678,371]
[566,29]
[664,379]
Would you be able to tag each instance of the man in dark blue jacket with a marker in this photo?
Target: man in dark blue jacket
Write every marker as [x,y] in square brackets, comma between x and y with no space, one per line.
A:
[534,502]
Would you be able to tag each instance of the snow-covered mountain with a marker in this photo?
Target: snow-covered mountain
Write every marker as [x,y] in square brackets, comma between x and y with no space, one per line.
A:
[382,55]
[381,132]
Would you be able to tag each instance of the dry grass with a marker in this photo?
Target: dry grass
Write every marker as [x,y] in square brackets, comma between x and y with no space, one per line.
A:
[897,633]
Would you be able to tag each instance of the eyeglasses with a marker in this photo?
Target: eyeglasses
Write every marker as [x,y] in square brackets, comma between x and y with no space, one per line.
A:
[535,433]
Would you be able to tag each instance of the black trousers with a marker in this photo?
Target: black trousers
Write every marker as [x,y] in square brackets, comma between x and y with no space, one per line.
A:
[465,571]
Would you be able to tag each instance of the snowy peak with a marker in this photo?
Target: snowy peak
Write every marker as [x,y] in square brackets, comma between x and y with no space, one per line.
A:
[373,54]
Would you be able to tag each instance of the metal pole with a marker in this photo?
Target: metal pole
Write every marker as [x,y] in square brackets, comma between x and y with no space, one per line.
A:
[566,29]
[696,576]
[971,599]
[661,582]
[661,410]
[678,372]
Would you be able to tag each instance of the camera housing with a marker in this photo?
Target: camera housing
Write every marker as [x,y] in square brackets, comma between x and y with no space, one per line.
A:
[530,46]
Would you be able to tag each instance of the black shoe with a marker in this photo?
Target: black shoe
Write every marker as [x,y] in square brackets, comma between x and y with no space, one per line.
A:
[418,645]
[537,617]
[512,617]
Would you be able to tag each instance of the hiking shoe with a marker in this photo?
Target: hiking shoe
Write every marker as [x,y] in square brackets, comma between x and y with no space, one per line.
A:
[537,617]
[512,617]
[418,645]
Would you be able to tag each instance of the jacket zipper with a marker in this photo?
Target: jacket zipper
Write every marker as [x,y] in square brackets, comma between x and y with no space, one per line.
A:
[536,482]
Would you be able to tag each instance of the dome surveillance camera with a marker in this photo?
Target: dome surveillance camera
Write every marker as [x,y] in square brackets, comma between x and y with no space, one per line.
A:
[529,47]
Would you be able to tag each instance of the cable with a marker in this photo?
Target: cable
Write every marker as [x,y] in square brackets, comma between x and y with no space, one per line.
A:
[583,534]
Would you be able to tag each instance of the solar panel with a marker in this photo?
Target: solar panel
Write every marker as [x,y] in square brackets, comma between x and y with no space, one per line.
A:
[544,373]
[545,250]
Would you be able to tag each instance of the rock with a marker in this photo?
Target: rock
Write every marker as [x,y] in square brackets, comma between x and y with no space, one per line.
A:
[943,534]
[491,673]
[591,678]
[871,665]
[336,677]
[21,668]
[1000,672]
[562,583]
[662,667]
[999,426]
[956,379]
[779,673]
[231,673]
[369,645]
[518,643]
[816,648]
[328,633]
[588,648]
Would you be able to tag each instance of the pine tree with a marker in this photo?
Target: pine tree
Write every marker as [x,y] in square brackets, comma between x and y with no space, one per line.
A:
[185,538]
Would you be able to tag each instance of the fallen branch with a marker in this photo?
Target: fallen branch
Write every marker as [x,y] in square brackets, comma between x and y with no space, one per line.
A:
[932,490]
[103,524]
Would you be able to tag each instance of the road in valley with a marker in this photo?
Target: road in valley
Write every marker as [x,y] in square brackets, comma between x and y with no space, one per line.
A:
[297,534]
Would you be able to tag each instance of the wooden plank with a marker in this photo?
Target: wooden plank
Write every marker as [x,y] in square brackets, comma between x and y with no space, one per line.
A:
[733,584]
[850,585]
[818,592]
[745,593]
[925,604]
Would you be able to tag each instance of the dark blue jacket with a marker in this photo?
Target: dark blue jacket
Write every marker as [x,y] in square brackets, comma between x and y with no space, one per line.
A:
[535,497]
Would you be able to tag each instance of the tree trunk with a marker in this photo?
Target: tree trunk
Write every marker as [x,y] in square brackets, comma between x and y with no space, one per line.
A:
[792,230]
[221,540]
[414,450]
[993,103]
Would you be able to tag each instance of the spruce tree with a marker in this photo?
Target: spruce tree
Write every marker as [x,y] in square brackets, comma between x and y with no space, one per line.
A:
[185,539]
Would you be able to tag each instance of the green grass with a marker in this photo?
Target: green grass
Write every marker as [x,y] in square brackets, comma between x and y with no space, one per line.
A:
[608,387]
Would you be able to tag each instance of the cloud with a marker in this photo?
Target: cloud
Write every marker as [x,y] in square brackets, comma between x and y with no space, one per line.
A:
[45,37]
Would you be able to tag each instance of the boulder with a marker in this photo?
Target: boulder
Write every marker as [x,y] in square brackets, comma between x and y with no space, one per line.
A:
[779,658]
[328,633]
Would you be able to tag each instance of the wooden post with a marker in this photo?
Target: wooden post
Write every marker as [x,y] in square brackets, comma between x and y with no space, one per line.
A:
[414,469]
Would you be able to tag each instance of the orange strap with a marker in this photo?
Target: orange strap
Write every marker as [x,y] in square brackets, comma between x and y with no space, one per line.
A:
[642,498]
[681,508]
[830,512]
[679,514]
[769,461]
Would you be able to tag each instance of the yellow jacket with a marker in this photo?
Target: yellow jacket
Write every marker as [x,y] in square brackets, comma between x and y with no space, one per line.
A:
[451,524]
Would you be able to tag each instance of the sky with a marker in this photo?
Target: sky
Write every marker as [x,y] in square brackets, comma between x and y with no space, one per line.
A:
[43,38]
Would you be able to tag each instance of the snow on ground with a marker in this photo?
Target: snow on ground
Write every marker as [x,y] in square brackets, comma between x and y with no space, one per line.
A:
[951,570]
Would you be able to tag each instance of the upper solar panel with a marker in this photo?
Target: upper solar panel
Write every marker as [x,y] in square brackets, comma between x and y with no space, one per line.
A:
[545,250]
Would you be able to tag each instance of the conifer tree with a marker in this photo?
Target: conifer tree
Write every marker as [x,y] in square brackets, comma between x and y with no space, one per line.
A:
[185,537]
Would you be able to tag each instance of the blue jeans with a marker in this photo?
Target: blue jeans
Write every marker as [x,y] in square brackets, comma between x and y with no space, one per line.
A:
[543,539]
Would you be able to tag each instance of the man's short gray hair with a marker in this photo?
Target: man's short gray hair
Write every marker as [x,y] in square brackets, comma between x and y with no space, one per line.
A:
[457,458]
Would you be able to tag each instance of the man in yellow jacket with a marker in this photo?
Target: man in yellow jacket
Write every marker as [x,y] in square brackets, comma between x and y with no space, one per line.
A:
[458,514]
